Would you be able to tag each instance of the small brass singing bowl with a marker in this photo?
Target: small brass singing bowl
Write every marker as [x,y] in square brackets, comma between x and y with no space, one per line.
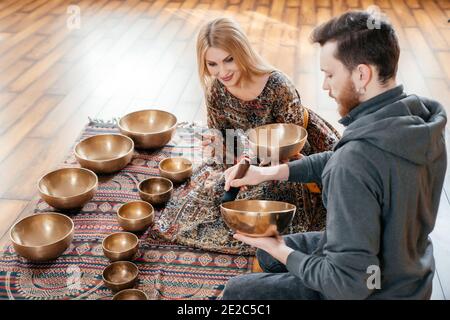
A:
[149,129]
[120,275]
[68,188]
[105,153]
[156,190]
[135,216]
[176,169]
[130,294]
[42,237]
[120,246]
[282,140]
[257,218]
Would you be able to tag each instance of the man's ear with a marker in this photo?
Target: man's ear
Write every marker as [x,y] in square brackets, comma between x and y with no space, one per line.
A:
[362,75]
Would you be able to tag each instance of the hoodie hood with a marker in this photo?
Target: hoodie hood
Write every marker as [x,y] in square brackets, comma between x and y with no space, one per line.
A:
[410,127]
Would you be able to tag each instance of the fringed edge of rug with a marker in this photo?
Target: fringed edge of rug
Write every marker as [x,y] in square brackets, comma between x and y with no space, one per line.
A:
[113,123]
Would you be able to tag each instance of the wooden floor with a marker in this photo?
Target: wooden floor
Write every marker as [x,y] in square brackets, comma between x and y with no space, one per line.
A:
[131,54]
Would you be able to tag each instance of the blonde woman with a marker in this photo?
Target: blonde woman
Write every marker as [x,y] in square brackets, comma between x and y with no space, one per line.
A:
[242,92]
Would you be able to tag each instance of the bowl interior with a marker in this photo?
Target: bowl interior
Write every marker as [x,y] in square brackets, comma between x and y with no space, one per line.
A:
[148,121]
[175,164]
[120,272]
[277,135]
[258,206]
[67,182]
[155,185]
[130,294]
[104,147]
[41,229]
[120,242]
[135,210]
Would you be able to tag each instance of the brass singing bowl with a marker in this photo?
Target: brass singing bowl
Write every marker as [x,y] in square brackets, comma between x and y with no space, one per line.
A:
[156,190]
[42,237]
[149,129]
[120,275]
[105,153]
[68,188]
[135,216]
[257,218]
[282,140]
[120,246]
[176,169]
[131,294]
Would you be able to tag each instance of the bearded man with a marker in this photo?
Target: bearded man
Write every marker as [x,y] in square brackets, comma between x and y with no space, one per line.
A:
[381,184]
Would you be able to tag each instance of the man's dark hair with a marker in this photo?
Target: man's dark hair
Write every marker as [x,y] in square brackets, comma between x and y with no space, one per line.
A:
[360,42]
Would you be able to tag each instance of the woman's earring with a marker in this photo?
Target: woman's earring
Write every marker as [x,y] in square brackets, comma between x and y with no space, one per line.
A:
[362,90]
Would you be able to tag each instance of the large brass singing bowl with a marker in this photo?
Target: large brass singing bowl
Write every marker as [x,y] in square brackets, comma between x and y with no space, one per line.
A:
[149,129]
[176,169]
[120,275]
[68,188]
[257,218]
[135,216]
[42,237]
[105,153]
[156,190]
[130,294]
[120,246]
[282,140]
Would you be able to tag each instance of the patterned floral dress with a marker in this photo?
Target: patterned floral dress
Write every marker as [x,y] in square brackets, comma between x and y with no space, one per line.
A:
[198,220]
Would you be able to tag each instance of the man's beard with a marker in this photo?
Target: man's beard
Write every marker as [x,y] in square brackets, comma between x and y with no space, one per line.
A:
[348,99]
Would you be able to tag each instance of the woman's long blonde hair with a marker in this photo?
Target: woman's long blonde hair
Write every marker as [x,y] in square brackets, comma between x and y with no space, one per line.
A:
[225,34]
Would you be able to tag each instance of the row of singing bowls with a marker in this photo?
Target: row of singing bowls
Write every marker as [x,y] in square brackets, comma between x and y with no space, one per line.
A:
[156,190]
[149,129]
[120,275]
[135,216]
[257,218]
[282,140]
[68,188]
[42,237]
[105,153]
[176,169]
[120,246]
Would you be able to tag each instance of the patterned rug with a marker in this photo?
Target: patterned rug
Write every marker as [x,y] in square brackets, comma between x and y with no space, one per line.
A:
[166,270]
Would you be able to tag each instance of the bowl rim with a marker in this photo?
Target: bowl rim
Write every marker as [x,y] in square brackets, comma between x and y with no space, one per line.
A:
[69,197]
[177,158]
[131,264]
[119,123]
[128,290]
[72,229]
[283,145]
[105,160]
[115,233]
[155,194]
[152,212]
[294,207]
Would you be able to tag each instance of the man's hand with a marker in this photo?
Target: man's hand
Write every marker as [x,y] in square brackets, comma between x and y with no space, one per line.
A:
[255,175]
[266,162]
[275,246]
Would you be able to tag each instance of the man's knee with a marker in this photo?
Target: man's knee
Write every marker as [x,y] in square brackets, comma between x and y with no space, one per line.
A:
[233,289]
[269,263]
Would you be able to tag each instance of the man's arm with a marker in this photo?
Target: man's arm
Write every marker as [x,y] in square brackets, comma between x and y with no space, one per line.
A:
[310,168]
[353,237]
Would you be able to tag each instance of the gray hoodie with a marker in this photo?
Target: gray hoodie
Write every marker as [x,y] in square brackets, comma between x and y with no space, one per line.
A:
[381,186]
